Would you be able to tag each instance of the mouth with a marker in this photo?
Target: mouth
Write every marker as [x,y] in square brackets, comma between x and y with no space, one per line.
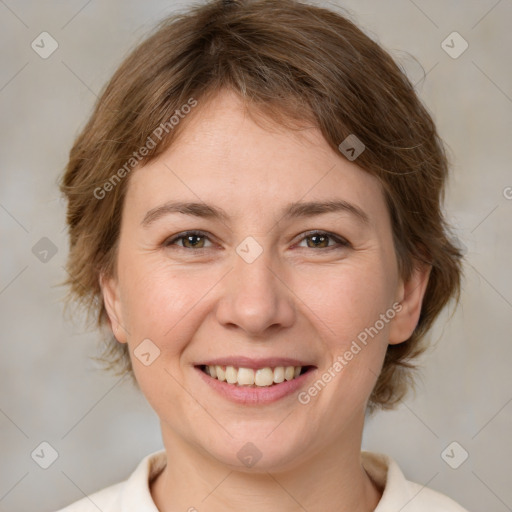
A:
[263,377]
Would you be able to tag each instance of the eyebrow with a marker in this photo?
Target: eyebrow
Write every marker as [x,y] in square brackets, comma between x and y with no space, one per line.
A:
[291,211]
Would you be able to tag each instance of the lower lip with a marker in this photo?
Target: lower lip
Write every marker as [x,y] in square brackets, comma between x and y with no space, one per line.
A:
[255,395]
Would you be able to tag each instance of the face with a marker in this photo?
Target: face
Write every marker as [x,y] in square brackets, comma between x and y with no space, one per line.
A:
[279,255]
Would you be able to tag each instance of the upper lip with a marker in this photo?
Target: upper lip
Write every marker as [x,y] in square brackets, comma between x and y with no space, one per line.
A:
[247,362]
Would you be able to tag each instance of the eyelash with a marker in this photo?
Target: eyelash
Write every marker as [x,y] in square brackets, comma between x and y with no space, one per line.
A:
[341,242]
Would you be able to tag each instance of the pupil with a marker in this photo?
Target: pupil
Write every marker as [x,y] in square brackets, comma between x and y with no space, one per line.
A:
[191,239]
[322,237]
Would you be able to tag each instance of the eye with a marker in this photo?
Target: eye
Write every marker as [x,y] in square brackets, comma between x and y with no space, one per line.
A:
[315,240]
[189,239]
[320,239]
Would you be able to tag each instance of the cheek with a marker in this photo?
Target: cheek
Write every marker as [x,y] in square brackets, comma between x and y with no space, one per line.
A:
[162,304]
[346,309]
[161,301]
[348,300]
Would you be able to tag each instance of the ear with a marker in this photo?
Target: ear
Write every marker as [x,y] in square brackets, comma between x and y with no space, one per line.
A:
[410,295]
[111,299]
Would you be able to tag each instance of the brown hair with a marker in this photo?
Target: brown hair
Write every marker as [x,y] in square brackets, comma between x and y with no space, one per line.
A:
[288,60]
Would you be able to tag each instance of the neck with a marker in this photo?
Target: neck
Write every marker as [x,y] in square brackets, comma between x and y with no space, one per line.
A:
[333,479]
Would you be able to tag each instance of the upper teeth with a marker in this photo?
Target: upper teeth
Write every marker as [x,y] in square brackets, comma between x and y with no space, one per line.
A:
[248,377]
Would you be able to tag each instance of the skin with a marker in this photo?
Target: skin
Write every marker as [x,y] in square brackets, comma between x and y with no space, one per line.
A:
[303,297]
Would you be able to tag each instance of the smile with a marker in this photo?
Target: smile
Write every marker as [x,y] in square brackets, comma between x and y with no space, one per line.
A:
[255,381]
[259,377]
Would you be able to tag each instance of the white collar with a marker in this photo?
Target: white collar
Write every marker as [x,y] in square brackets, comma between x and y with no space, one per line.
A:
[398,493]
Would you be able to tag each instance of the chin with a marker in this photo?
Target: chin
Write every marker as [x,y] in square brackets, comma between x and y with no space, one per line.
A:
[255,452]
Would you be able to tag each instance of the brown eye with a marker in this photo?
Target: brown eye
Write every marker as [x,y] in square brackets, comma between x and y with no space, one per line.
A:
[320,240]
[193,241]
[189,240]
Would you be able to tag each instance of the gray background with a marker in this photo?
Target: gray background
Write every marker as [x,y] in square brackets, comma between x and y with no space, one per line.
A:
[100,425]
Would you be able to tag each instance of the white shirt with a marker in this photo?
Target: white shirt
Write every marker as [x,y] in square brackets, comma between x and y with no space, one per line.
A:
[133,495]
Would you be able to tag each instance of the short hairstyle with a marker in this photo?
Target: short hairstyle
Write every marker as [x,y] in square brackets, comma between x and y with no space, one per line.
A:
[289,61]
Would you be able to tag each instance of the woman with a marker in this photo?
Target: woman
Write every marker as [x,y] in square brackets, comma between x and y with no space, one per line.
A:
[255,214]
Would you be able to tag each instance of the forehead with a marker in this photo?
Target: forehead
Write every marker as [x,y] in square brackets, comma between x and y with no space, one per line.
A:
[224,155]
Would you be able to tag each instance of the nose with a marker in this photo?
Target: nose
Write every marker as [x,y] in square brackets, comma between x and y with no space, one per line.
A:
[256,298]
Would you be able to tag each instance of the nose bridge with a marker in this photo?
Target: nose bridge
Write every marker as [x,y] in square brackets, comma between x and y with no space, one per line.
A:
[254,298]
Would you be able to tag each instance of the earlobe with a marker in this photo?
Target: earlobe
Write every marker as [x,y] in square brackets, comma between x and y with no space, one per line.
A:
[410,296]
[110,292]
